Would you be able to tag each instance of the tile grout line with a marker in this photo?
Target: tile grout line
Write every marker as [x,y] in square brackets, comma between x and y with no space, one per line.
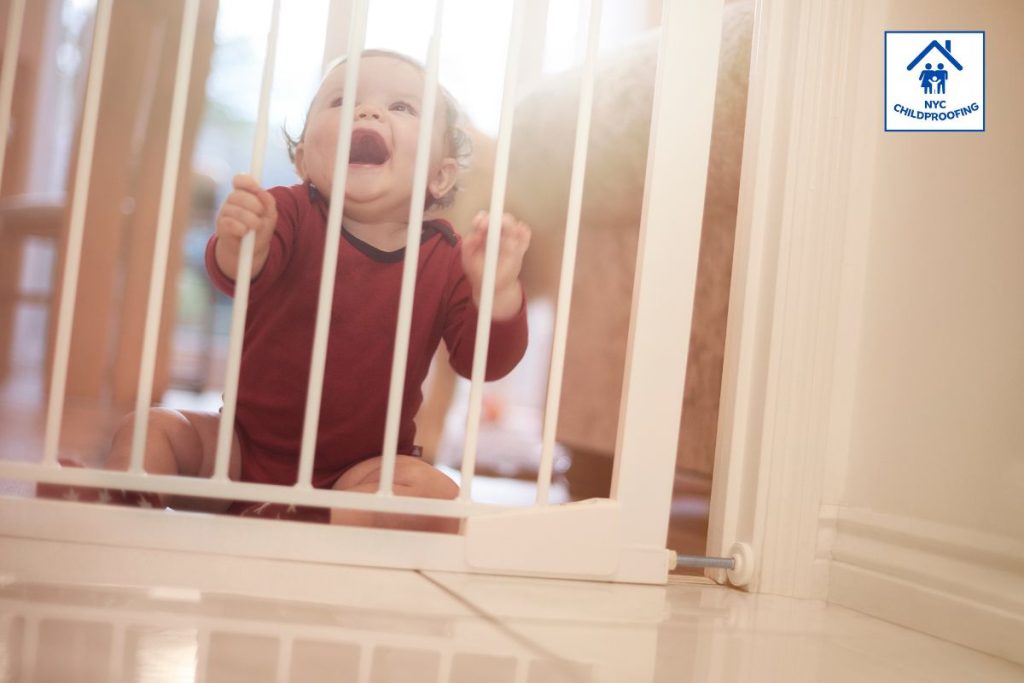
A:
[533,646]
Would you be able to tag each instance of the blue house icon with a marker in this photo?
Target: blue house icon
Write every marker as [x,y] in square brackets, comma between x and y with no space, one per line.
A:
[945,51]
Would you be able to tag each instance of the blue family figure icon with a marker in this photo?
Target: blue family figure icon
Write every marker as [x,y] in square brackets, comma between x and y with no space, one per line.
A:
[938,78]
[928,78]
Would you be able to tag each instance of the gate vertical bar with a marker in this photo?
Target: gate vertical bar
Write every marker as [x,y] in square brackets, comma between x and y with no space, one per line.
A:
[165,216]
[226,429]
[670,227]
[497,208]
[311,421]
[572,231]
[76,228]
[412,252]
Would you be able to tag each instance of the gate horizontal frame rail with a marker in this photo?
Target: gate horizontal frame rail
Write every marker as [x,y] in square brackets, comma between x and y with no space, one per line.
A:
[477,549]
[235,490]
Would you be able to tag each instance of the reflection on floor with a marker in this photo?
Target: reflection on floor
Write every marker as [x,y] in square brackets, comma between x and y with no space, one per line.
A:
[84,613]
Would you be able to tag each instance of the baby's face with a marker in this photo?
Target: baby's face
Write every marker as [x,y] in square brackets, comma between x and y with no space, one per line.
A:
[384,136]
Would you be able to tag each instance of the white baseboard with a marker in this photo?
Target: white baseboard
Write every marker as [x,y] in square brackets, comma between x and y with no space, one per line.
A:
[947,581]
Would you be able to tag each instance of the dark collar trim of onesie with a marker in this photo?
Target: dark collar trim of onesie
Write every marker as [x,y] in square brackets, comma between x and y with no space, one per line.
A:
[429,228]
[372,251]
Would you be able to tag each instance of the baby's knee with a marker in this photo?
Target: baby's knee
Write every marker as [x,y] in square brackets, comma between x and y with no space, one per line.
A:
[449,490]
[163,421]
[427,482]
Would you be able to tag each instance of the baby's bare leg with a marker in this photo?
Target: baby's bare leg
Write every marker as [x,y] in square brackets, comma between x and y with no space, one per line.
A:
[413,477]
[177,442]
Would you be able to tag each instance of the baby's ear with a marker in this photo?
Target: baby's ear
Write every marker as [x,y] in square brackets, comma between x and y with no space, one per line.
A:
[443,179]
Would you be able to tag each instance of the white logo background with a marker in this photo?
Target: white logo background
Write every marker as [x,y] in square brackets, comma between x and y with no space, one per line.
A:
[908,107]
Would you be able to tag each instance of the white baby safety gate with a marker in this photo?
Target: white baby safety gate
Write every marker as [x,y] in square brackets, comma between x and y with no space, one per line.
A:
[621,538]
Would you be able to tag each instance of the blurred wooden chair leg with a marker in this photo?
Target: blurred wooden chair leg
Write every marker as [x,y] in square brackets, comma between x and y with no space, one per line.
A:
[23,218]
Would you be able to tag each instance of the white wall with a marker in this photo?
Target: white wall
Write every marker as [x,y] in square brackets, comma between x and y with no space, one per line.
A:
[938,424]
[928,486]
[871,440]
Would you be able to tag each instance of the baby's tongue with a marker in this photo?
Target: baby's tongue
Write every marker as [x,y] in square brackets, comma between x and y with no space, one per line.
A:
[368,147]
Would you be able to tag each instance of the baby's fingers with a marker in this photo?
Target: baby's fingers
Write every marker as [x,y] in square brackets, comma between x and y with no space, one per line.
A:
[231,227]
[268,203]
[246,183]
[476,238]
[515,233]
[250,195]
[246,201]
[235,220]
[480,221]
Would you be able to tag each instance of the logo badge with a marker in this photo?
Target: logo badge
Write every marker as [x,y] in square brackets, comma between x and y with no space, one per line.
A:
[935,80]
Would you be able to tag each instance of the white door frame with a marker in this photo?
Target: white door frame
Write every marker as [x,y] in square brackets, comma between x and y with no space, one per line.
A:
[786,371]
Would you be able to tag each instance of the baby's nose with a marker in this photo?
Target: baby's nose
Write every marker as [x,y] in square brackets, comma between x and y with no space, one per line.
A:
[367,111]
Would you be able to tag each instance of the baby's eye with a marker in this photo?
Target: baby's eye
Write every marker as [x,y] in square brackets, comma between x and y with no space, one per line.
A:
[336,102]
[403,106]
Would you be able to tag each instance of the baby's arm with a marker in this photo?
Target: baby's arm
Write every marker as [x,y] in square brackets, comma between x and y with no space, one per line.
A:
[515,239]
[248,207]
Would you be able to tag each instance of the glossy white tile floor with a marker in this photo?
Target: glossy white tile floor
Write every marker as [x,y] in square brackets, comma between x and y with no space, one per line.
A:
[85,613]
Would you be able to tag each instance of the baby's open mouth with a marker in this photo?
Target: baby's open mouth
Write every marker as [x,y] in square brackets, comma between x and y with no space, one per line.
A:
[368,147]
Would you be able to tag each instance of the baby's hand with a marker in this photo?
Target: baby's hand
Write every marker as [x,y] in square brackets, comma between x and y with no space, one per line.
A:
[515,239]
[248,208]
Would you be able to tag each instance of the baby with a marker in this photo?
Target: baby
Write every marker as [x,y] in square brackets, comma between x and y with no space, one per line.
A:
[290,227]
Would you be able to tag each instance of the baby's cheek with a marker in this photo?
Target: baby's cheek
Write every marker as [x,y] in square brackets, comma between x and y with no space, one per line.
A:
[320,152]
[322,142]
